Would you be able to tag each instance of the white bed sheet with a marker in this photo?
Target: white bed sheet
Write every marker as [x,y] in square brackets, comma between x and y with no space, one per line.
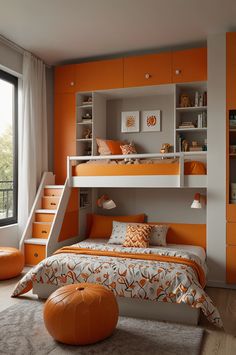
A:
[196,250]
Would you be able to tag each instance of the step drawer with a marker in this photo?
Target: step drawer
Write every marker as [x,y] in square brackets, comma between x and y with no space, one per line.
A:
[52,192]
[50,203]
[41,230]
[44,217]
[34,254]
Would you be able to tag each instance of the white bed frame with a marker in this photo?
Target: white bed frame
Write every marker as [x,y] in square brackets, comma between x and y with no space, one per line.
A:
[130,307]
[136,181]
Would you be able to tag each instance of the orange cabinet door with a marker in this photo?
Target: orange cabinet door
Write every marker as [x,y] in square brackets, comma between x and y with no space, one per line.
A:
[64,79]
[231,213]
[231,70]
[231,233]
[189,65]
[231,264]
[145,70]
[34,253]
[99,75]
[64,133]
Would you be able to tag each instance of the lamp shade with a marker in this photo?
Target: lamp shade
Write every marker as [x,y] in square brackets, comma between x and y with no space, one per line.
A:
[196,202]
[105,202]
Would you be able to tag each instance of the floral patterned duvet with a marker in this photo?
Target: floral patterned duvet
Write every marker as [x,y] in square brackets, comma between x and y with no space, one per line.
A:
[158,281]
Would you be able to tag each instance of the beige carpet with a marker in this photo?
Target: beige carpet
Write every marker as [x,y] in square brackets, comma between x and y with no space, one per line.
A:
[22,332]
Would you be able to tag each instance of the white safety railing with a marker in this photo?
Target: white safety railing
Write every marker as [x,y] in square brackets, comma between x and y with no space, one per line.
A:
[181,156]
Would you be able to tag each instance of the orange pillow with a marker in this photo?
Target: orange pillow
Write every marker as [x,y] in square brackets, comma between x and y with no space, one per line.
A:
[109,147]
[194,168]
[137,235]
[101,226]
[114,147]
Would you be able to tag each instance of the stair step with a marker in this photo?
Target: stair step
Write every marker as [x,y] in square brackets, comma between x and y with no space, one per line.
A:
[36,241]
[41,230]
[50,202]
[43,210]
[52,191]
[54,186]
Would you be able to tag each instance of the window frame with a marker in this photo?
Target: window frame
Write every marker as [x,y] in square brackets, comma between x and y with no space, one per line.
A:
[14,81]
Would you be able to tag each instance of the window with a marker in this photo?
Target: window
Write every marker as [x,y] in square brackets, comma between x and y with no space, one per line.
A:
[8,148]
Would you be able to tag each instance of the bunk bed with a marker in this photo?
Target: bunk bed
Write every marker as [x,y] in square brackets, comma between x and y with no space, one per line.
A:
[154,170]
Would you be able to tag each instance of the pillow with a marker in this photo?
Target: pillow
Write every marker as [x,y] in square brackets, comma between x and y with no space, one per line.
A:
[137,235]
[194,168]
[109,147]
[128,149]
[101,226]
[118,233]
[158,235]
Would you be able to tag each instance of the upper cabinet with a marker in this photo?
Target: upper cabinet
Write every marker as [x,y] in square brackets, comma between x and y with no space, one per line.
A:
[64,79]
[145,70]
[189,65]
[99,75]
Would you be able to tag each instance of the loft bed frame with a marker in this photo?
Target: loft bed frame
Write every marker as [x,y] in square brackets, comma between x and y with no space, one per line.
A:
[179,180]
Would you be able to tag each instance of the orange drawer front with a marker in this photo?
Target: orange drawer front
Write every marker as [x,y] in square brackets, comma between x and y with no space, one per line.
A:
[50,203]
[52,192]
[41,230]
[231,213]
[44,217]
[231,233]
[231,264]
[34,253]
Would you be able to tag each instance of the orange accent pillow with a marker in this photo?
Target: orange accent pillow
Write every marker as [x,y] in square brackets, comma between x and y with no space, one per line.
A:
[109,147]
[114,147]
[137,236]
[194,168]
[101,226]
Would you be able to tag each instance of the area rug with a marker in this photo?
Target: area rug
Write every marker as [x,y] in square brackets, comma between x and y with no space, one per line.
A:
[22,332]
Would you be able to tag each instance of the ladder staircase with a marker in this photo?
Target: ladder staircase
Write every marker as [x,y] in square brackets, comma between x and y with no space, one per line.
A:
[41,236]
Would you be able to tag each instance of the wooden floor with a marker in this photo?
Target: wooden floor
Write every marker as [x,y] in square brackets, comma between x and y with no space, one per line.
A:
[220,342]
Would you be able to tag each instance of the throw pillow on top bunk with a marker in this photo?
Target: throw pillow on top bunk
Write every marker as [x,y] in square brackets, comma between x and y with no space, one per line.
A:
[109,147]
[128,149]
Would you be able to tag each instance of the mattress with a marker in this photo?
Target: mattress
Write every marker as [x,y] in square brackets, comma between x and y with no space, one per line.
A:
[196,250]
[111,168]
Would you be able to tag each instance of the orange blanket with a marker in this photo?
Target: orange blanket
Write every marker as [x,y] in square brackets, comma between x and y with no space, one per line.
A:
[155,257]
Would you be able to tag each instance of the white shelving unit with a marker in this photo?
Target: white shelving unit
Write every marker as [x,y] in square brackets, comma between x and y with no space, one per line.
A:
[198,133]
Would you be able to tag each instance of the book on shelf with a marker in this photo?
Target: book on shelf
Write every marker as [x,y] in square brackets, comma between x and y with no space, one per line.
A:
[187,126]
[87,120]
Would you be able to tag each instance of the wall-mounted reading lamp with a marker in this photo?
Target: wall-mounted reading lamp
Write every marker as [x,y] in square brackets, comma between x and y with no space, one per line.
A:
[199,200]
[105,202]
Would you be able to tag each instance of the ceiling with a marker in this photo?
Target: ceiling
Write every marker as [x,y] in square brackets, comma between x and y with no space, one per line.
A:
[61,31]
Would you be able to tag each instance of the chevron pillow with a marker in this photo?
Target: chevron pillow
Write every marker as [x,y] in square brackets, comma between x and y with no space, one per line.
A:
[137,235]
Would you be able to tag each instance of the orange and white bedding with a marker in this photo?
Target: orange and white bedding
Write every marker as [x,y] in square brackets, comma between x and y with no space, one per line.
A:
[159,274]
[138,167]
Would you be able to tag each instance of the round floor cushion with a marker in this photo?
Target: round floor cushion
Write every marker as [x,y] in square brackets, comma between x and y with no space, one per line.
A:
[81,314]
[11,262]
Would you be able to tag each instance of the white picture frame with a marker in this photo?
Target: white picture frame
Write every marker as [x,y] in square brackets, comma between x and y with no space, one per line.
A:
[130,121]
[151,121]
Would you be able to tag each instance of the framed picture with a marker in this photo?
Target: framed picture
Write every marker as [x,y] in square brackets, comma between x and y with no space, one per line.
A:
[151,121]
[130,121]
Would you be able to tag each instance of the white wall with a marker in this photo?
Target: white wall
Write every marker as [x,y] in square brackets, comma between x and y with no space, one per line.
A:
[216,206]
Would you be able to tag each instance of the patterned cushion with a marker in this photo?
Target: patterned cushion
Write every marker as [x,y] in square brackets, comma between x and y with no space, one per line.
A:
[158,235]
[118,232]
[128,149]
[137,235]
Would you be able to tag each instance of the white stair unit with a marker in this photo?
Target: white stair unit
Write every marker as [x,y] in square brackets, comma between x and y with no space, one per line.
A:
[51,243]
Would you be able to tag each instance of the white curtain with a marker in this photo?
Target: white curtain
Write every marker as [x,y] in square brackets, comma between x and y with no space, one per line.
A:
[33,139]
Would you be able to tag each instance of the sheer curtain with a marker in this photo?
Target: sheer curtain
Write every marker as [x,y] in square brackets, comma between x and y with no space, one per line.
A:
[33,139]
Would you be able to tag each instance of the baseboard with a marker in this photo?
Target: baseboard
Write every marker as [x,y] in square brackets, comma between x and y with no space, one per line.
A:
[220,284]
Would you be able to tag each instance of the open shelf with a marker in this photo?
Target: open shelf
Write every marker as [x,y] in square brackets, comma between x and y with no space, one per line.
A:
[191,108]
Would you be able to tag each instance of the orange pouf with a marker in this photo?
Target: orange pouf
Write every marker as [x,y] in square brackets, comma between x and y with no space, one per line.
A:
[11,262]
[81,314]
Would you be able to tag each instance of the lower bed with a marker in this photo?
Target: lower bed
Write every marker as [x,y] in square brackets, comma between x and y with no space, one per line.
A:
[164,283]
